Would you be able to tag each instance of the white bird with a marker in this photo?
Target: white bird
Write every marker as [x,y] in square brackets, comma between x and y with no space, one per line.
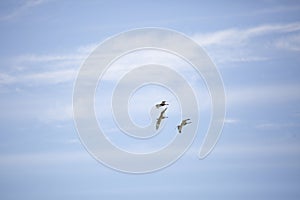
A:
[161,117]
[183,123]
[163,103]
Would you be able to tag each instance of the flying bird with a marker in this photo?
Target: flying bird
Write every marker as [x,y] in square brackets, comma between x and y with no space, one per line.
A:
[161,117]
[163,103]
[183,123]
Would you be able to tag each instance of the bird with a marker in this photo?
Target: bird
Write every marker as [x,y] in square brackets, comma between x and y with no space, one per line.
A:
[161,117]
[183,123]
[163,103]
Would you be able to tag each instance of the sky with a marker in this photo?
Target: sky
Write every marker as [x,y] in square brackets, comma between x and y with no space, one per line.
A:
[254,44]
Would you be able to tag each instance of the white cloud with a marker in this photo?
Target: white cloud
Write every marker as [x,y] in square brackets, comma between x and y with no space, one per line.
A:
[240,36]
[229,45]
[259,151]
[46,158]
[27,5]
[291,43]
[66,73]
[277,9]
[73,141]
[249,44]
[262,94]
[49,58]
[59,76]
[53,61]
[33,69]
[231,121]
[6,79]
[49,77]
[87,49]
[276,126]
[57,113]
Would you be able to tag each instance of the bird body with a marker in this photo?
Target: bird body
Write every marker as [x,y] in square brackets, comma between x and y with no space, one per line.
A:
[163,103]
[183,123]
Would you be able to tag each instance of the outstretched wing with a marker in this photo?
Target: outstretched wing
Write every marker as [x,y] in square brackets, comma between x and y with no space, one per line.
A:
[161,116]
[158,122]
[163,112]
[185,122]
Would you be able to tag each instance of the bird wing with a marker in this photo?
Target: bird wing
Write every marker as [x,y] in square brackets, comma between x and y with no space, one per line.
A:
[162,112]
[185,122]
[158,122]
[161,116]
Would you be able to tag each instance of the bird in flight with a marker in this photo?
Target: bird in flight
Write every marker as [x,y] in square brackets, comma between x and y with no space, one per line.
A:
[163,103]
[161,117]
[183,123]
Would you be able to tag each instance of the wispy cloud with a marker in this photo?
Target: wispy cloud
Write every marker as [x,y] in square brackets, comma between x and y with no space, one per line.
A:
[39,71]
[35,69]
[57,112]
[291,43]
[276,126]
[46,158]
[48,58]
[77,55]
[39,78]
[241,36]
[73,141]
[262,94]
[250,44]
[277,9]
[26,6]
[229,45]
[54,77]
[231,121]
[6,79]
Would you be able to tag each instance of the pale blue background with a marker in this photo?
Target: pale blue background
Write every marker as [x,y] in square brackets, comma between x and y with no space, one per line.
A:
[256,46]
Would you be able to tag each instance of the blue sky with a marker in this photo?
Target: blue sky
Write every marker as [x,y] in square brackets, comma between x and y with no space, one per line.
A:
[254,44]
